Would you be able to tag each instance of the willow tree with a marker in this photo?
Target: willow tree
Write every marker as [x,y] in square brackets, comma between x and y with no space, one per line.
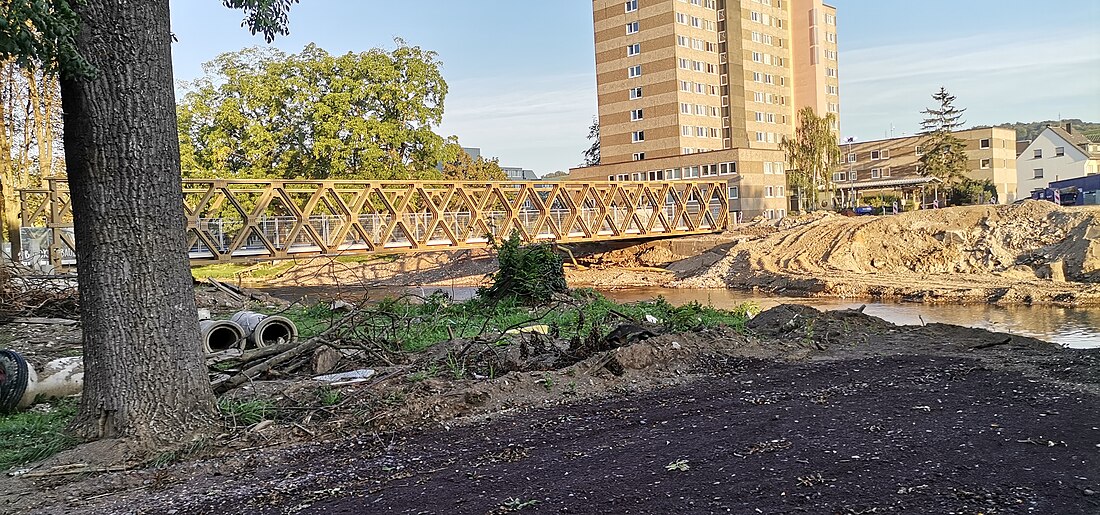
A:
[145,383]
[812,155]
[944,154]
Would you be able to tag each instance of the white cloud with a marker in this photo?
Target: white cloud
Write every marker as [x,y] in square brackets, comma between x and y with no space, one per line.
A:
[534,122]
[997,77]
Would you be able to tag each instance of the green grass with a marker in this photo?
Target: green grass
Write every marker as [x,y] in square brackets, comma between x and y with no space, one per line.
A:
[29,436]
[245,413]
[234,271]
[415,324]
[385,258]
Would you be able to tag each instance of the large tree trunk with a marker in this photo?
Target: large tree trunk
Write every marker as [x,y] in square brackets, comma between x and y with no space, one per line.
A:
[144,377]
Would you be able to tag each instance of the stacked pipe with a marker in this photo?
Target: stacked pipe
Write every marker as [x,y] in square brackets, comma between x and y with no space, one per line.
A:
[21,385]
[246,330]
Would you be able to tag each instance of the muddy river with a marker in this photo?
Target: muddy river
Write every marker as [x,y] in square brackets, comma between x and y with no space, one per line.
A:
[1072,327]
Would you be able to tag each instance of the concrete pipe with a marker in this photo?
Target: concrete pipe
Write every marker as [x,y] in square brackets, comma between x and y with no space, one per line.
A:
[264,330]
[21,386]
[221,335]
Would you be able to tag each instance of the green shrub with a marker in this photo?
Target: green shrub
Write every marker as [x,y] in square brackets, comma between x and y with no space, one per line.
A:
[531,274]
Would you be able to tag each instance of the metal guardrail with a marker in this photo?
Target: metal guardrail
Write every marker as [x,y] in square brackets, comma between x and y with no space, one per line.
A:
[230,219]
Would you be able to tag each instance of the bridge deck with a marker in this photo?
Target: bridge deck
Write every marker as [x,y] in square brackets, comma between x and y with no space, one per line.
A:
[230,220]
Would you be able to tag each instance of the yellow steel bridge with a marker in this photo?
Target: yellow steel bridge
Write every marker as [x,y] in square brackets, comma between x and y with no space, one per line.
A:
[234,220]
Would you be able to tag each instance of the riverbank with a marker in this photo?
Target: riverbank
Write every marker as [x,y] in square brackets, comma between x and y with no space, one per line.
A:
[834,412]
[1030,253]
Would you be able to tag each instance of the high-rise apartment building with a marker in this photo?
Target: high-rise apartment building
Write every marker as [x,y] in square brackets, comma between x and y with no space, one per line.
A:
[684,77]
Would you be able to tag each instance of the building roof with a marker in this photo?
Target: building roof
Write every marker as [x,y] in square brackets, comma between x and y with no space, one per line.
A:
[1076,139]
[889,183]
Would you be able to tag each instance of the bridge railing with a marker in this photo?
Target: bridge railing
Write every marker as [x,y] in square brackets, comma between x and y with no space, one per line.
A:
[229,219]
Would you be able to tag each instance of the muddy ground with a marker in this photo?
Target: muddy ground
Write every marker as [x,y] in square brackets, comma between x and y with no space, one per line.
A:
[805,411]
[1030,253]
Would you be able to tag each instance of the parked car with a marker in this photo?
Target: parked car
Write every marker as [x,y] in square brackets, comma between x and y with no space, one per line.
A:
[865,210]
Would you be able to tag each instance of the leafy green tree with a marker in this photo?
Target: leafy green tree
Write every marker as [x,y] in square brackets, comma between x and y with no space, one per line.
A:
[592,155]
[812,155]
[944,155]
[459,166]
[969,191]
[145,382]
[556,175]
[262,113]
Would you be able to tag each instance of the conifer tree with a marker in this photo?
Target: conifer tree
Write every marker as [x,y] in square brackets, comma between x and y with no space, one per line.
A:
[944,155]
[592,155]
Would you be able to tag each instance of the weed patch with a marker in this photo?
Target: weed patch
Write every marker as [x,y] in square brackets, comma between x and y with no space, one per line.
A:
[36,434]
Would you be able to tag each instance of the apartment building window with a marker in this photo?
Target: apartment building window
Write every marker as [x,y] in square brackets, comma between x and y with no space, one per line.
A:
[681,18]
[712,47]
[876,173]
[757,57]
[712,68]
[683,41]
[758,96]
[754,16]
[985,164]
[699,88]
[840,176]
[760,136]
[830,37]
[918,150]
[984,143]
[632,27]
[695,22]
[636,115]
[700,132]
[886,172]
[759,116]
[638,156]
[697,44]
[830,19]
[637,136]
[1038,153]
[769,191]
[697,66]
[610,177]
[685,108]
[780,192]
[767,167]
[727,168]
[1059,151]
[830,54]
[635,93]
[623,176]
[685,63]
[778,168]
[830,72]
[631,6]
[734,193]
[767,59]
[757,77]
[1038,173]
[685,130]
[700,110]
[770,118]
[831,90]
[634,49]
[635,71]
[769,78]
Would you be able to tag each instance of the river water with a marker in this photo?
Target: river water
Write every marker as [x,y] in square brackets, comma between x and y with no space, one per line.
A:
[1071,327]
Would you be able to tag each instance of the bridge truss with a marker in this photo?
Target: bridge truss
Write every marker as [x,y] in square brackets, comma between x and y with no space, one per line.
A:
[234,220]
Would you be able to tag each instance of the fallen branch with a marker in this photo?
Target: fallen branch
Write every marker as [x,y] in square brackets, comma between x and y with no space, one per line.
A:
[283,357]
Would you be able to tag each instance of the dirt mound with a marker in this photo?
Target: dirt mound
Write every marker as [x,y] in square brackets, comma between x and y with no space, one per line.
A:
[1029,252]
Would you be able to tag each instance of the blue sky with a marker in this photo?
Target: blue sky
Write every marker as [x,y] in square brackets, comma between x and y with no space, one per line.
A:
[522,74]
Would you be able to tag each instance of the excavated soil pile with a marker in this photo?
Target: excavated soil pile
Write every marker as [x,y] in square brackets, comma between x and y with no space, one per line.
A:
[1033,252]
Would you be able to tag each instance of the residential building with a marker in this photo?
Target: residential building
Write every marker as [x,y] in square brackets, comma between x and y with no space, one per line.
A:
[678,78]
[1056,154]
[515,173]
[892,166]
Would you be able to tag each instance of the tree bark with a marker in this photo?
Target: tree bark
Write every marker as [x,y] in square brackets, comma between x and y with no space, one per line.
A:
[144,375]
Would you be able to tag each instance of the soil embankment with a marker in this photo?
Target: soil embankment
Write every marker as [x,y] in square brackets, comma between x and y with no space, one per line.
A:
[823,412]
[1028,253]
[1034,252]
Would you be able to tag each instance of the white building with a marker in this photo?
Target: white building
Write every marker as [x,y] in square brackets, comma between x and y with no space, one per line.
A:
[1056,154]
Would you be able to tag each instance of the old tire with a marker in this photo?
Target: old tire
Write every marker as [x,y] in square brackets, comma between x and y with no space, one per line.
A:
[14,375]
